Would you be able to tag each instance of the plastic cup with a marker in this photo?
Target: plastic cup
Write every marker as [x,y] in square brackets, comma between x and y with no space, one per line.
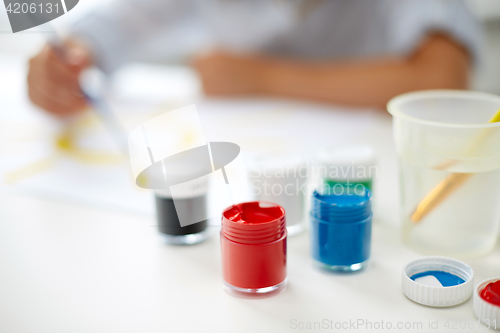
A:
[443,138]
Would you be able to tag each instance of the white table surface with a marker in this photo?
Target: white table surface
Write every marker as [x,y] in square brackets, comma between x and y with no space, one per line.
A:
[72,267]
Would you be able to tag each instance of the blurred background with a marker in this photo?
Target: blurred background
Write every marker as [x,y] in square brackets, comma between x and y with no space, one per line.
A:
[25,44]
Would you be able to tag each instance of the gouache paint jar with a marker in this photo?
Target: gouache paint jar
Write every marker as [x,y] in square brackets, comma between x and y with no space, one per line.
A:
[282,178]
[341,170]
[341,228]
[253,246]
[190,204]
[168,221]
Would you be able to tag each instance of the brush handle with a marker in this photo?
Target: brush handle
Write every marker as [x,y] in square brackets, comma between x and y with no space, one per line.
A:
[98,104]
[438,194]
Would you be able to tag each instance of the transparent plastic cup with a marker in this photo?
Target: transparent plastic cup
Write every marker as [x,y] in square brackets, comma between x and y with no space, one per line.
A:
[443,138]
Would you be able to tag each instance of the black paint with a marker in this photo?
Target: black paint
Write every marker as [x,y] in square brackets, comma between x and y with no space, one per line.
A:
[166,215]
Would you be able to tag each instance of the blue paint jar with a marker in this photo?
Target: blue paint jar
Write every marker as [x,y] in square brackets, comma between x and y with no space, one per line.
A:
[341,229]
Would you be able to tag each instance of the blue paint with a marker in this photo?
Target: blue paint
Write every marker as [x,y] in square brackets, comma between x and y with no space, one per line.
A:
[446,279]
[341,228]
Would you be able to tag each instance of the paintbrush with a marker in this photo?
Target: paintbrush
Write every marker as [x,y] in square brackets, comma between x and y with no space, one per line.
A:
[448,185]
[97,103]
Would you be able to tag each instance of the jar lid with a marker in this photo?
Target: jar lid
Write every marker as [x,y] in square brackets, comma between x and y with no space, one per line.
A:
[485,302]
[437,281]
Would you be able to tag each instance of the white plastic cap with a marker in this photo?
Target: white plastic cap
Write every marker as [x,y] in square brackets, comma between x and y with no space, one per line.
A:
[487,313]
[438,296]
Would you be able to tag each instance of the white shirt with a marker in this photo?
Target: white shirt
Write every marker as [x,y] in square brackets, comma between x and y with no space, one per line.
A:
[126,30]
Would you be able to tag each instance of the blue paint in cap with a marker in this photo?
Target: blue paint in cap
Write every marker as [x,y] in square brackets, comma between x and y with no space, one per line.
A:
[437,278]
[341,228]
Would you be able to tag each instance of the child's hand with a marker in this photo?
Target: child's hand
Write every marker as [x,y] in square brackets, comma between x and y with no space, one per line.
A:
[53,78]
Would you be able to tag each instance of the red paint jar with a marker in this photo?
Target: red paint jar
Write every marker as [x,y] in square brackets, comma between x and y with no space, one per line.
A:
[253,245]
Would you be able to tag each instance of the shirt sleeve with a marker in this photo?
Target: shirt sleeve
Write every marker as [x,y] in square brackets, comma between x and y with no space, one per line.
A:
[411,20]
[116,32]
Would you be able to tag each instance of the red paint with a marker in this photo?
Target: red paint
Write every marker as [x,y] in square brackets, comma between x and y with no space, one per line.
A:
[253,244]
[491,293]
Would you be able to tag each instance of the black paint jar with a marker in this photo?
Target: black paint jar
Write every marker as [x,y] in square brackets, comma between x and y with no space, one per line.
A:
[167,216]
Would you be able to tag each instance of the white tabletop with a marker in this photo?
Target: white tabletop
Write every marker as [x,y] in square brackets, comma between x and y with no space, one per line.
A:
[75,266]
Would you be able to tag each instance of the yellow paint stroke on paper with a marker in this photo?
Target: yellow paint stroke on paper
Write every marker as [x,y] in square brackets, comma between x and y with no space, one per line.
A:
[30,170]
[66,144]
